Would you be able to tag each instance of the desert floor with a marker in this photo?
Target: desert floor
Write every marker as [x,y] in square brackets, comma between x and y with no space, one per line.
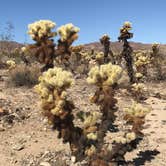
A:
[27,140]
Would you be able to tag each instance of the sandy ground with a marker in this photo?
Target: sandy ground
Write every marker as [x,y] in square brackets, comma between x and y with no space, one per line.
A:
[25,135]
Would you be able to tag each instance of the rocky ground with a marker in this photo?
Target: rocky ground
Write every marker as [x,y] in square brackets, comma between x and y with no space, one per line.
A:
[27,140]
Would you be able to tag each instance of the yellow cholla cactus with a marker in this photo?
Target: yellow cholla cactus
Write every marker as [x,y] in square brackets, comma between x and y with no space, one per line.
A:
[76,49]
[141,59]
[56,78]
[92,119]
[90,151]
[41,29]
[99,55]
[92,136]
[138,87]
[51,89]
[138,75]
[11,64]
[104,38]
[104,75]
[66,31]
[126,138]
[137,110]
[90,125]
[119,140]
[23,49]
[155,44]
[85,55]
[130,137]
[127,25]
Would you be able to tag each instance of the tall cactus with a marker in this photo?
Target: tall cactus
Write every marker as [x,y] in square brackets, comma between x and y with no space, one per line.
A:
[105,41]
[127,49]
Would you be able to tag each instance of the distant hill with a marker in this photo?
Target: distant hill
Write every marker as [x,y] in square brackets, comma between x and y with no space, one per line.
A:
[118,46]
[9,45]
[115,46]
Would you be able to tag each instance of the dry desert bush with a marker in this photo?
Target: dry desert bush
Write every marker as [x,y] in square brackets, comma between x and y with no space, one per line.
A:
[23,75]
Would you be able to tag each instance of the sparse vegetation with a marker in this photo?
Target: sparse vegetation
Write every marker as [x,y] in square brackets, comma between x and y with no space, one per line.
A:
[22,75]
[107,127]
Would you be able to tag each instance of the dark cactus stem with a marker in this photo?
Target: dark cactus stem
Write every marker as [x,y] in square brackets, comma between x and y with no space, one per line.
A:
[127,50]
[105,41]
[24,59]
[106,51]
[47,66]
[127,54]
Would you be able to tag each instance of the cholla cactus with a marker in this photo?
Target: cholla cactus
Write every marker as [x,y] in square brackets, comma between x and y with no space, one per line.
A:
[124,31]
[24,52]
[138,75]
[157,60]
[54,103]
[68,32]
[85,56]
[11,64]
[127,50]
[141,59]
[89,123]
[90,151]
[58,109]
[23,49]
[104,75]
[138,90]
[76,49]
[88,141]
[118,146]
[41,30]
[99,57]
[155,49]
[44,49]
[141,62]
[135,115]
[105,41]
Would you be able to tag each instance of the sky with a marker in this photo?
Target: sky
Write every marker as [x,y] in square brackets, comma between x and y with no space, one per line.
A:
[93,17]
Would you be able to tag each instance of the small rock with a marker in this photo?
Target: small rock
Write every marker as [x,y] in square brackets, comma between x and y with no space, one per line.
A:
[45,164]
[3,112]
[18,147]
[73,159]
[2,128]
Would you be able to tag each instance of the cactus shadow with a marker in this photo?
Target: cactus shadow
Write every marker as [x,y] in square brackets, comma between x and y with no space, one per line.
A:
[145,156]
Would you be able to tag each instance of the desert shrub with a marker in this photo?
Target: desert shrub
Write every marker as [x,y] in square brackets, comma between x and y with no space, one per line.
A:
[23,75]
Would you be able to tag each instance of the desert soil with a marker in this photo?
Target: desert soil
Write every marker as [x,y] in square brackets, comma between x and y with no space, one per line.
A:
[27,140]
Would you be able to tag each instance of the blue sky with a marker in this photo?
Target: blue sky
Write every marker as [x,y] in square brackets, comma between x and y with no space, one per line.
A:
[93,17]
